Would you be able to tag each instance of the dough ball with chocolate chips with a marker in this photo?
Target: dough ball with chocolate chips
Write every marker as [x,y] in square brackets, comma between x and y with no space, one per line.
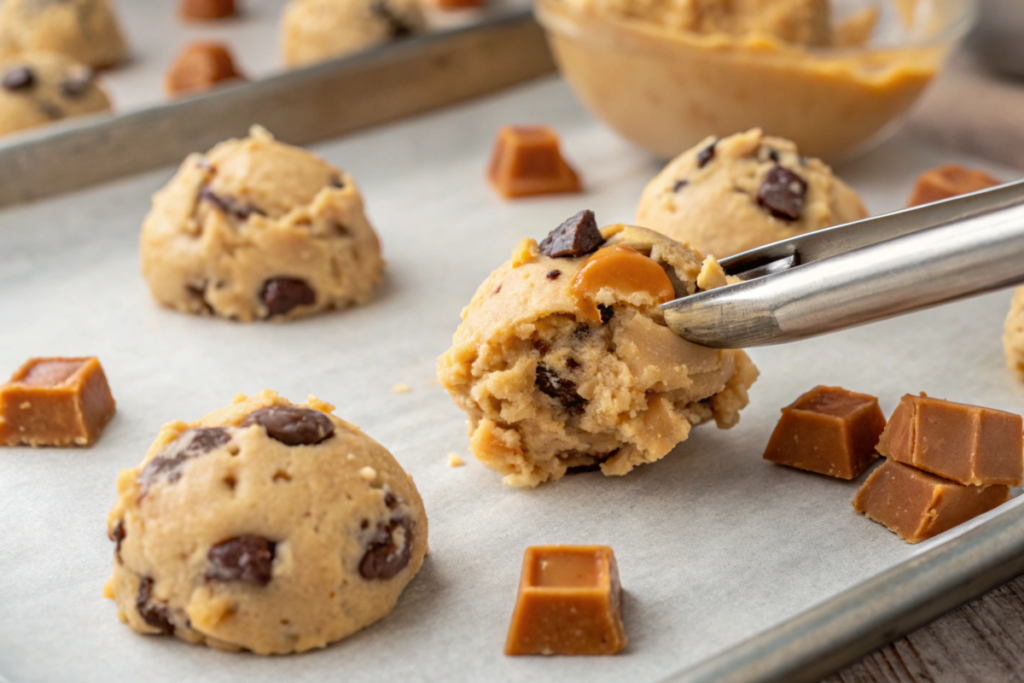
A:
[726,196]
[85,31]
[266,526]
[38,88]
[258,229]
[563,362]
[318,30]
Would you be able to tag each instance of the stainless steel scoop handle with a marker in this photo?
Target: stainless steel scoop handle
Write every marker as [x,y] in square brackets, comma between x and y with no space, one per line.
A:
[861,272]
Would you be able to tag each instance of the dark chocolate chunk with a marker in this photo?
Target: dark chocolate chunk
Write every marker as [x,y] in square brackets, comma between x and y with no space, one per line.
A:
[76,86]
[706,154]
[229,206]
[562,390]
[19,78]
[291,425]
[118,538]
[578,236]
[606,313]
[397,26]
[243,558]
[383,559]
[680,184]
[391,501]
[336,182]
[783,194]
[541,346]
[572,364]
[189,444]
[341,230]
[553,275]
[282,294]
[157,616]
[773,154]
[581,332]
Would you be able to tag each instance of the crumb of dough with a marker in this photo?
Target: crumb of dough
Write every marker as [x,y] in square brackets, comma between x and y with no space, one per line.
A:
[455,461]
[401,388]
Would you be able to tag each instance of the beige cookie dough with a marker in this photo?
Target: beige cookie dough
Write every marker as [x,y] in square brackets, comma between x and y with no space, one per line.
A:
[38,88]
[258,229]
[318,30]
[264,526]
[718,197]
[1013,335]
[85,31]
[564,364]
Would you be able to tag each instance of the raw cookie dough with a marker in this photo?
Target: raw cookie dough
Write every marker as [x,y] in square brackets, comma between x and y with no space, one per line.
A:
[558,375]
[84,30]
[318,30]
[258,229]
[263,526]
[38,88]
[727,196]
[1013,336]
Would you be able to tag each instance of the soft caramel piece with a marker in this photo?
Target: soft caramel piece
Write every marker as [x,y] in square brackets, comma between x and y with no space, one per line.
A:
[204,10]
[457,4]
[527,161]
[569,603]
[949,181]
[828,430]
[916,505]
[200,66]
[625,271]
[968,444]
[55,402]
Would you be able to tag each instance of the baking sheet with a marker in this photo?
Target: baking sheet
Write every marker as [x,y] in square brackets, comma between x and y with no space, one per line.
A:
[714,545]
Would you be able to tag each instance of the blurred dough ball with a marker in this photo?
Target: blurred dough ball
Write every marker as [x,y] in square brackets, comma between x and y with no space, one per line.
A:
[38,88]
[84,30]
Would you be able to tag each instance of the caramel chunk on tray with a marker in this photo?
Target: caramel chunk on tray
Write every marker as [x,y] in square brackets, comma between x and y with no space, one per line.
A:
[200,66]
[204,10]
[527,161]
[916,505]
[569,603]
[949,181]
[828,430]
[55,402]
[968,444]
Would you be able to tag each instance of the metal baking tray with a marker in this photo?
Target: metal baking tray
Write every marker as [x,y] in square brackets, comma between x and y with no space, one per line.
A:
[734,569]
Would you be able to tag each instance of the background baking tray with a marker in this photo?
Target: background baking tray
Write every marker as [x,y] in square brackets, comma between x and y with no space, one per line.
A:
[734,569]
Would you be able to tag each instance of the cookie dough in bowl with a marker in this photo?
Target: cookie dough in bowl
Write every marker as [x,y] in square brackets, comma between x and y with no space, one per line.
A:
[266,526]
[318,30]
[726,196]
[39,88]
[258,229]
[85,31]
[563,362]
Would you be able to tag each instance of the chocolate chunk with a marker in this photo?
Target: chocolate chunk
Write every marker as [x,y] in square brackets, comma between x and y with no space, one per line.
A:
[291,425]
[282,294]
[783,194]
[336,182]
[562,390]
[397,26]
[19,78]
[391,501]
[578,236]
[189,444]
[773,154]
[541,346]
[229,206]
[76,86]
[383,559]
[706,154]
[553,275]
[680,184]
[243,558]
[606,313]
[157,616]
[572,364]
[118,538]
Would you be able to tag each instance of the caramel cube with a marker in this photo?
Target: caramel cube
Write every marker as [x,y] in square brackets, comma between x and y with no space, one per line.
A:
[916,505]
[55,402]
[968,444]
[205,10]
[828,430]
[949,181]
[526,161]
[200,66]
[570,603]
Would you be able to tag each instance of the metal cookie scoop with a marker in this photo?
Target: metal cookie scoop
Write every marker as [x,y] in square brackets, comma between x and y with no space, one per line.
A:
[857,273]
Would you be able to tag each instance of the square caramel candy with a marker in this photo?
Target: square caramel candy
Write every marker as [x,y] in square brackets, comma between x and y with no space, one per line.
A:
[828,430]
[916,505]
[527,161]
[569,603]
[55,402]
[968,444]
[949,181]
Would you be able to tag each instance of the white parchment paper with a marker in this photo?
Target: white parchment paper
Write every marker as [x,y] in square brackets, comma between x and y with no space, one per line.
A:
[713,543]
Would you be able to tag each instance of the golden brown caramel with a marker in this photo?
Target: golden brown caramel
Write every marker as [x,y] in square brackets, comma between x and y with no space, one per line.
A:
[527,161]
[949,181]
[200,66]
[623,270]
[203,10]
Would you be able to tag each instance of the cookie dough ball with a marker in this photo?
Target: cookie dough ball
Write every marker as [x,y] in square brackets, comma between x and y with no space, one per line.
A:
[264,526]
[1013,335]
[729,195]
[563,362]
[38,88]
[259,229]
[84,30]
[318,30]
